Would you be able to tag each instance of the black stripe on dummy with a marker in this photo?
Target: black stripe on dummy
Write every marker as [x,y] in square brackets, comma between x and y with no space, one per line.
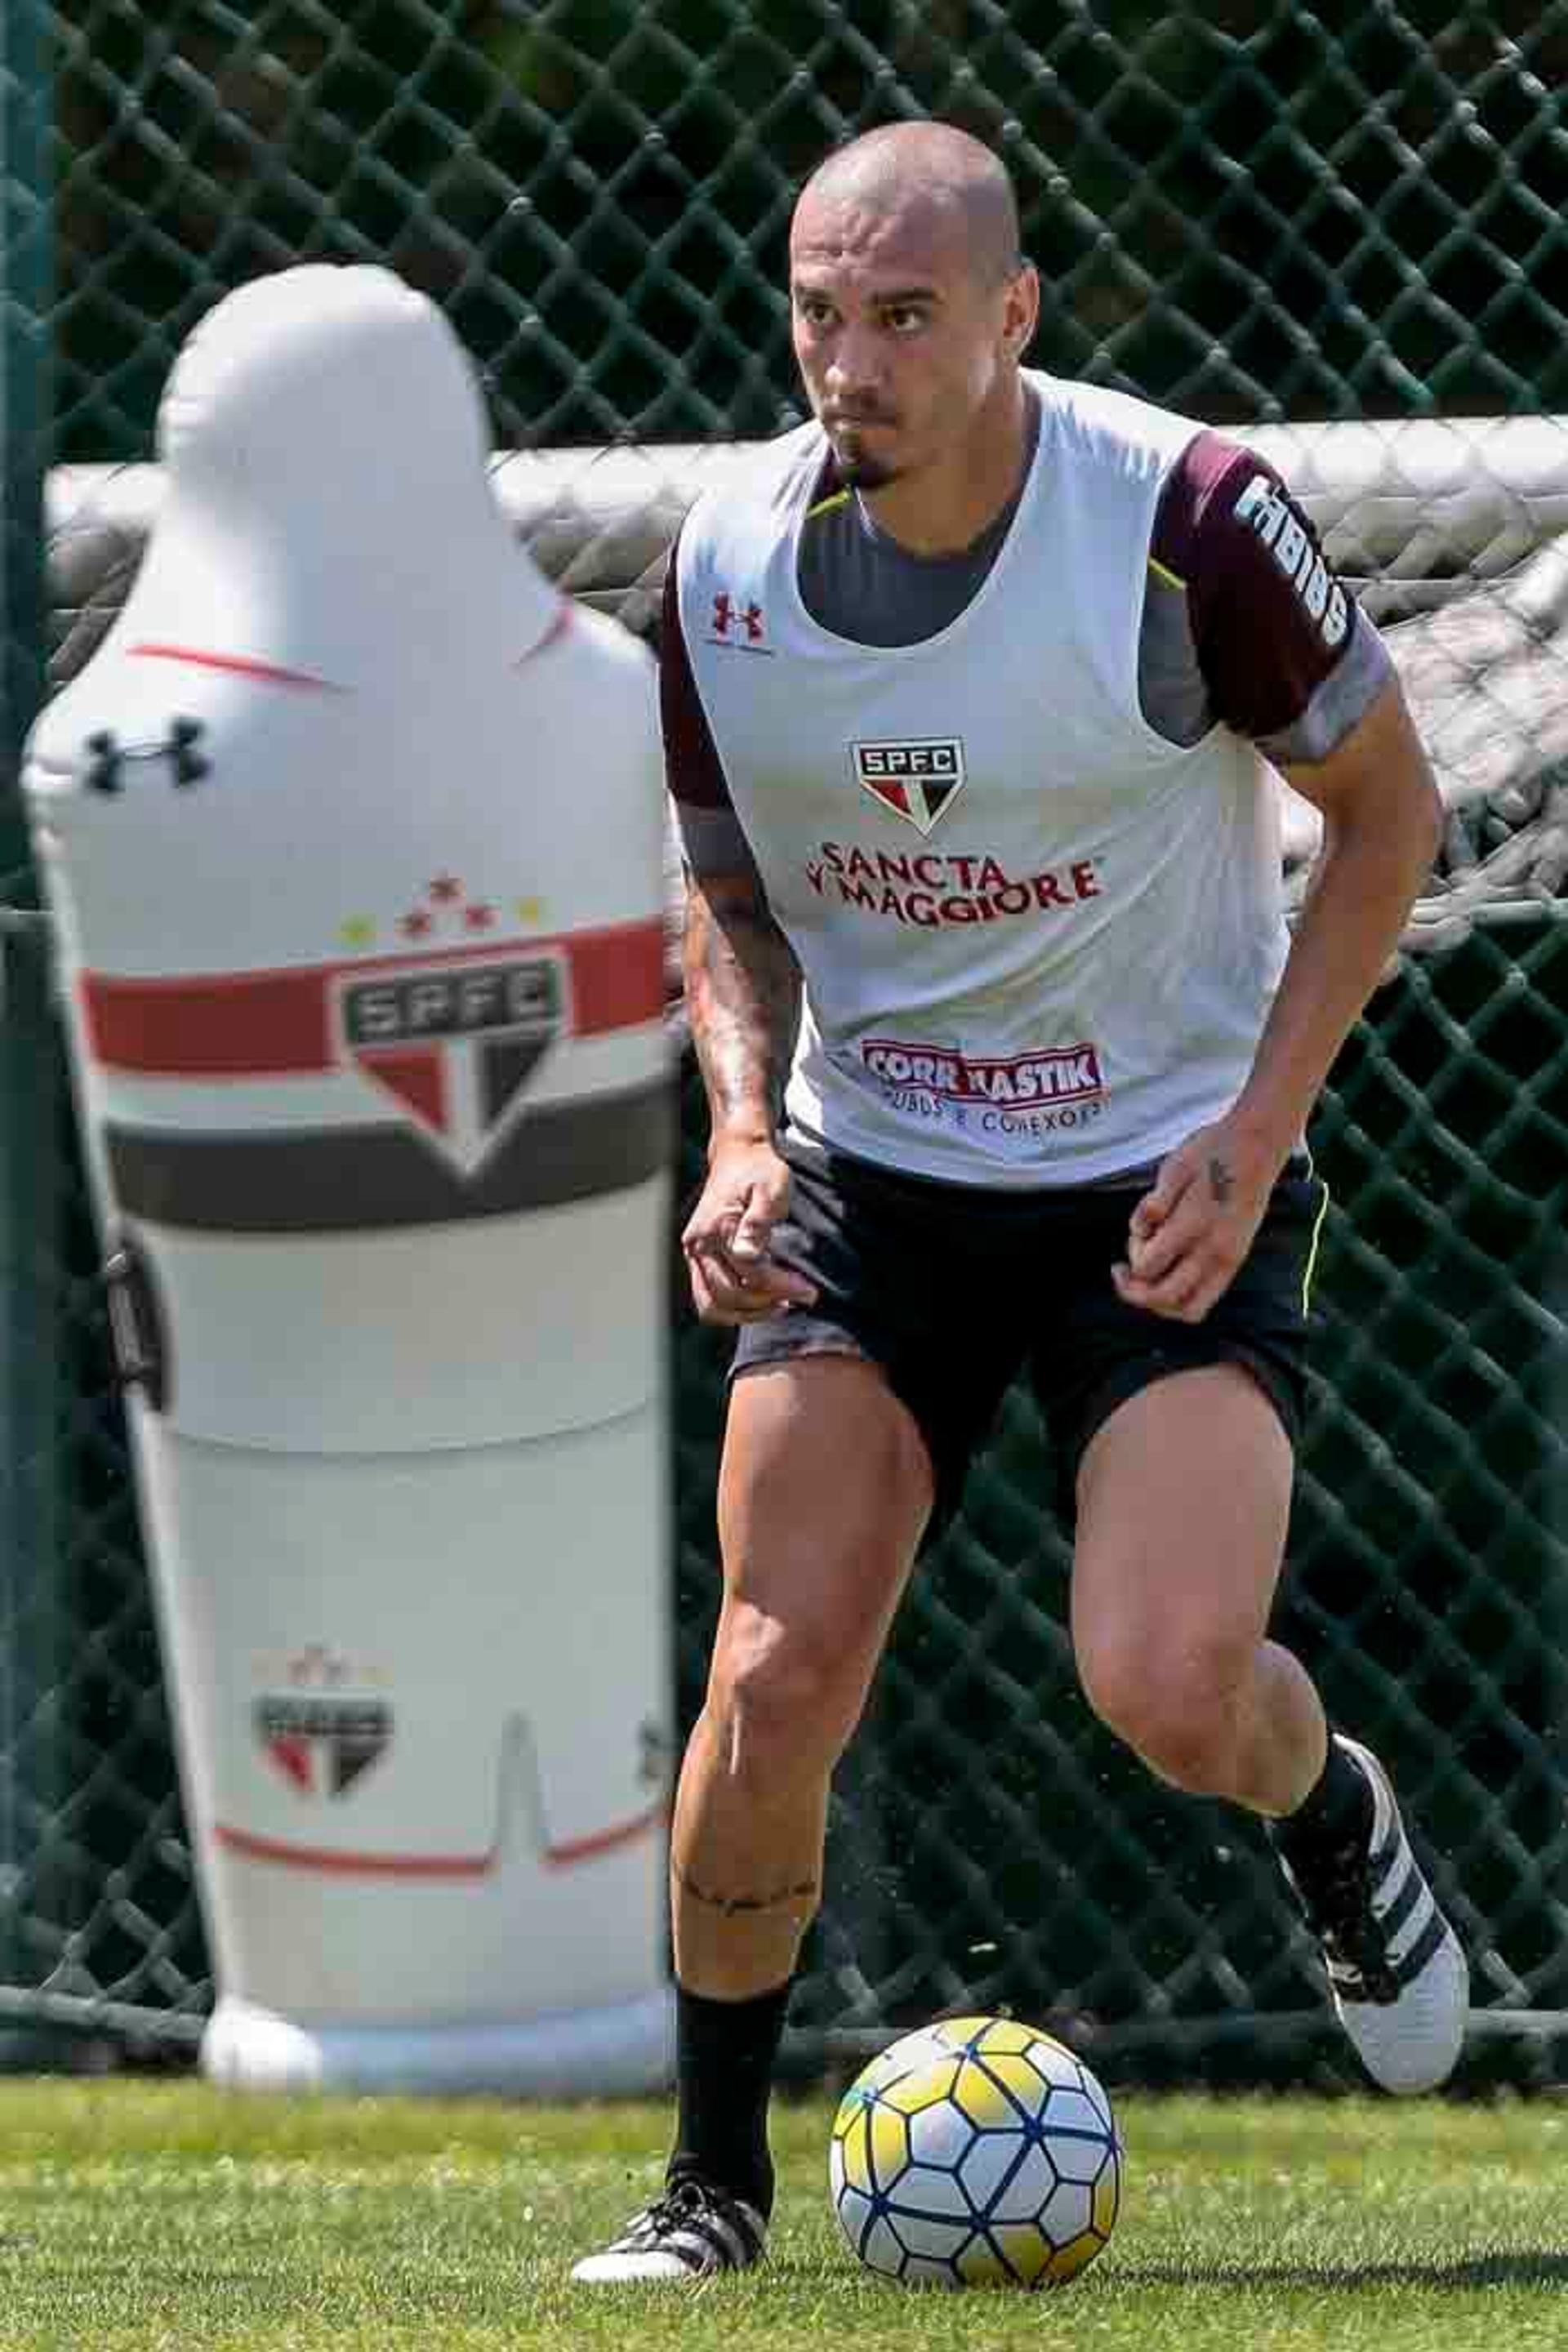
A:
[365,1178]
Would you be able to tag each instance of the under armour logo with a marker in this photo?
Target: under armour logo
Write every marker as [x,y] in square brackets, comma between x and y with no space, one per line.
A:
[108,757]
[726,618]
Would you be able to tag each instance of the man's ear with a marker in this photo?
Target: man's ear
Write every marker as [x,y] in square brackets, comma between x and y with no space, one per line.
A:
[1022,310]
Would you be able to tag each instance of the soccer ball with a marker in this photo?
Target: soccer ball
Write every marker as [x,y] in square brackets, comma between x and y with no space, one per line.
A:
[976,2152]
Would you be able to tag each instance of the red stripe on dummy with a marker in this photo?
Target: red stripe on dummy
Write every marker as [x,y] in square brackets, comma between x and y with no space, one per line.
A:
[238,665]
[553,636]
[268,1024]
[334,1862]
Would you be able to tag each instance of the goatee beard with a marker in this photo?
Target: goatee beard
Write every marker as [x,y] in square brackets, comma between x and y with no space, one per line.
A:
[857,472]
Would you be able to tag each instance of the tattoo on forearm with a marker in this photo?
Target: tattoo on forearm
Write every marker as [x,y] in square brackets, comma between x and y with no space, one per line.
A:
[1222,1182]
[743,996]
[734,1907]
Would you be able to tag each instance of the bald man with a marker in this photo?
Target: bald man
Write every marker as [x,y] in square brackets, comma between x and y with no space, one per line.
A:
[969,691]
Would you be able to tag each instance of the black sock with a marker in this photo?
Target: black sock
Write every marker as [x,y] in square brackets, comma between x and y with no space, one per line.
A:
[1336,1812]
[724,2054]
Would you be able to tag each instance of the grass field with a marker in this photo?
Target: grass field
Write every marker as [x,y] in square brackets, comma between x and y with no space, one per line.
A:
[160,2215]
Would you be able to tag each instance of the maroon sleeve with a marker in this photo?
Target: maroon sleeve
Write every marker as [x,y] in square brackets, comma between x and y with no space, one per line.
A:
[1269,619]
[692,762]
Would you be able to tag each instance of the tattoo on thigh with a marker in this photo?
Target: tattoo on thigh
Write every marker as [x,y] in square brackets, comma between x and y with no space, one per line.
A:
[732,1906]
[1222,1182]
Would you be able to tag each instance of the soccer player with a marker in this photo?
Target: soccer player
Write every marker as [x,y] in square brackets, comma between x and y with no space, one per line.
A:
[969,688]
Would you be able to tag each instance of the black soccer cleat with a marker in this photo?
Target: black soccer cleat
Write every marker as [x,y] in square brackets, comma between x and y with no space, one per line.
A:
[1399,1982]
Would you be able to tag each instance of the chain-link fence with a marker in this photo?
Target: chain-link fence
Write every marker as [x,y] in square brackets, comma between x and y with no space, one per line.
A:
[1260,214]
[1255,211]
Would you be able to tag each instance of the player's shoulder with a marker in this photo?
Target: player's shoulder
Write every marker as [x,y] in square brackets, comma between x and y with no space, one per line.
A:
[1212,488]
[1097,426]
[1228,529]
[762,483]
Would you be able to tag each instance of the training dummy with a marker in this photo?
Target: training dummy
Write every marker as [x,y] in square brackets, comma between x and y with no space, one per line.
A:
[351,832]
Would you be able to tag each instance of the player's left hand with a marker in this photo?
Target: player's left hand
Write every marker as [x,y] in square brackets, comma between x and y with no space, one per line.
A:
[1192,1229]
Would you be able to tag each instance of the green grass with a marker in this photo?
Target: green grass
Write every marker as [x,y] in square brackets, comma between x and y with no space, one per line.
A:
[156,2215]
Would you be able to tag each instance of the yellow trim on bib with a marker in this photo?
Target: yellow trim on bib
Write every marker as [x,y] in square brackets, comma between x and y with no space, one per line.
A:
[1312,1266]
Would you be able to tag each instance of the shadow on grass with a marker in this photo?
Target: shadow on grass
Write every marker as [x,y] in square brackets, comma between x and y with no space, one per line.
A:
[1526,2267]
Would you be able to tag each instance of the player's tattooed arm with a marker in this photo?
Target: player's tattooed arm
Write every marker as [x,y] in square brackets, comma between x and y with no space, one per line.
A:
[742,998]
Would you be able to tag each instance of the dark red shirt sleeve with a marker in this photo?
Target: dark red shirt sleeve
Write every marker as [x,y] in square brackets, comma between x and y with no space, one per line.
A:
[692,762]
[1270,619]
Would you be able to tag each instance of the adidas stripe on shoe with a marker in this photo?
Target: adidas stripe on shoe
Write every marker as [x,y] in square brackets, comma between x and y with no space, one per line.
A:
[1396,1974]
[690,2232]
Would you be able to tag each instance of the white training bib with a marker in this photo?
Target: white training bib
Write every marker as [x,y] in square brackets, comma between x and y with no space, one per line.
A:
[1039,941]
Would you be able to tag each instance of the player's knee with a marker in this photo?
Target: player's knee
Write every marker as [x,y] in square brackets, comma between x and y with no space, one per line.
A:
[1179,1713]
[787,1701]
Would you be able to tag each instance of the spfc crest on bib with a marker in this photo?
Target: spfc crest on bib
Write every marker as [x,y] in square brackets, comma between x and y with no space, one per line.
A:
[916,779]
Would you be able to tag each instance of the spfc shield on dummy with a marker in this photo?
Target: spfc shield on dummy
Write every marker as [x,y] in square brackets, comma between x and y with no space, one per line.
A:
[352,831]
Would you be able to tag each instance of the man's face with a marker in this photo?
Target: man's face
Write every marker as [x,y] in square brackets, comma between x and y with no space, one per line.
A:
[899,341]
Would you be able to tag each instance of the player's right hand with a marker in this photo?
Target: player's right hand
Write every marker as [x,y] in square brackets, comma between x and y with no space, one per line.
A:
[728,1240]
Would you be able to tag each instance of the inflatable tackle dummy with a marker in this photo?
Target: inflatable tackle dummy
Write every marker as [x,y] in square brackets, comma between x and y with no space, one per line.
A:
[351,832]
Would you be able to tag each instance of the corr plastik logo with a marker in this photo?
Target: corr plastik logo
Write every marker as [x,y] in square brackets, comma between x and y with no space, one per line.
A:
[1057,1075]
[456,1045]
[916,778]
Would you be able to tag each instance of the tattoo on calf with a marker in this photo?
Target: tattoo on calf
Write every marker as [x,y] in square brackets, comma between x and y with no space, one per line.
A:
[736,1906]
[1222,1182]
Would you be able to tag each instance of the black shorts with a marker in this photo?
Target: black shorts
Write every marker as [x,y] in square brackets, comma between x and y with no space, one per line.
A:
[956,1291]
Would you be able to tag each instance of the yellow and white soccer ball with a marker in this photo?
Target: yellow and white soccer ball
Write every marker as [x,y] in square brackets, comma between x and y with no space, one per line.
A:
[976,2152]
